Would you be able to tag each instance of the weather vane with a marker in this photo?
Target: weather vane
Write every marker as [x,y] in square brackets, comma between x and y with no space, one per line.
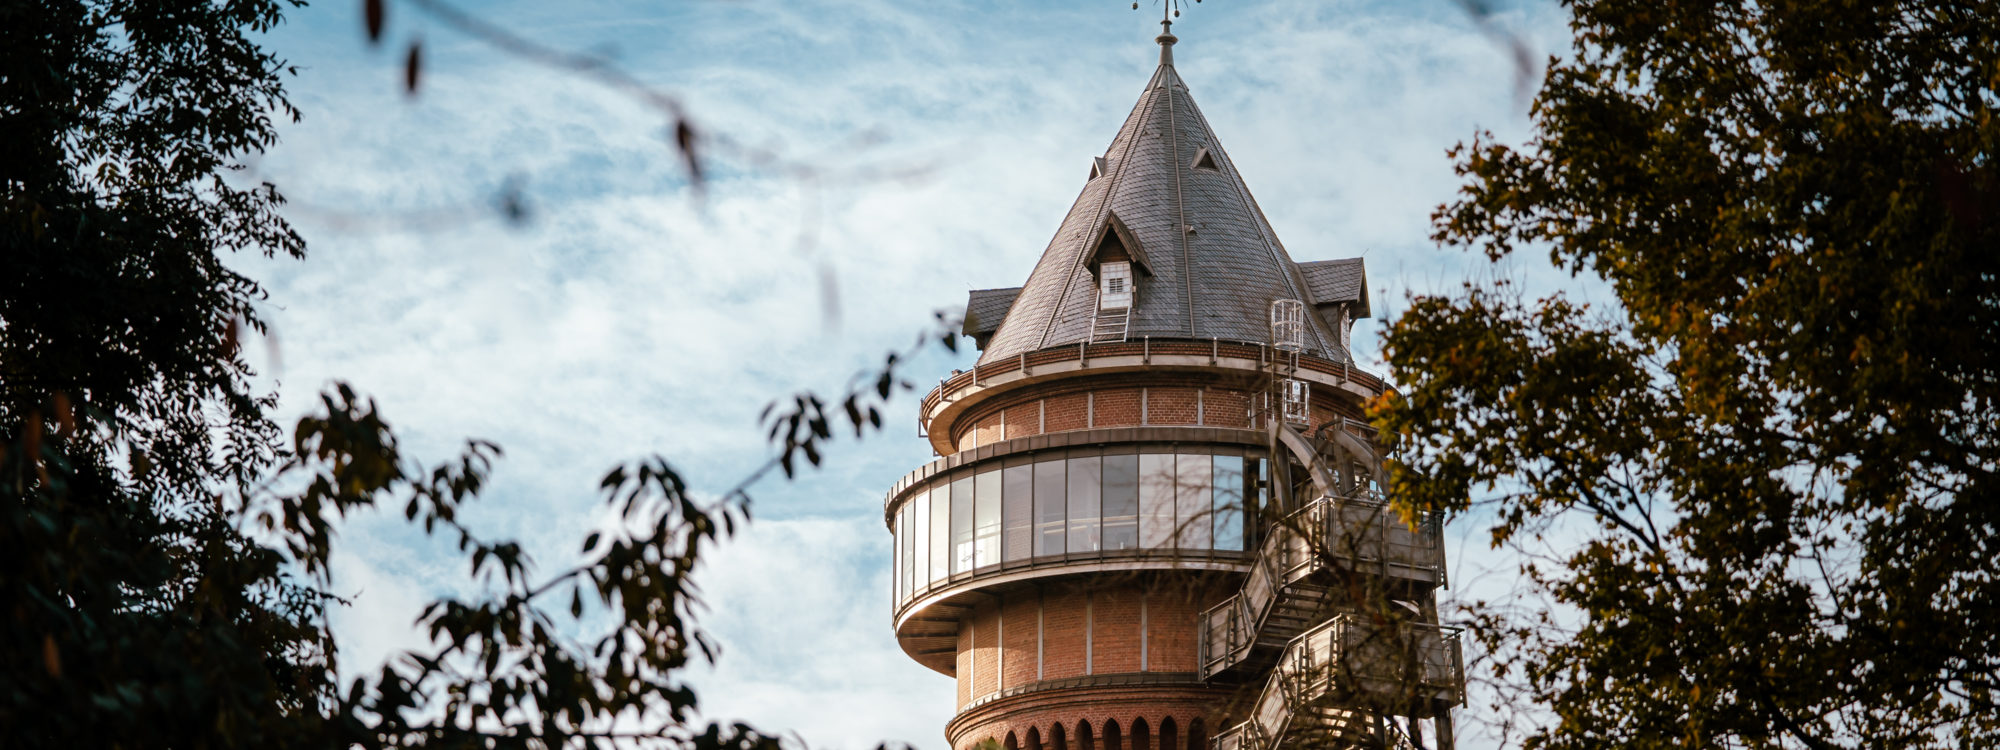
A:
[1169,10]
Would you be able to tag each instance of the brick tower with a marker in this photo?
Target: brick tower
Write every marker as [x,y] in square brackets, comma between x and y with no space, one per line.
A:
[1155,523]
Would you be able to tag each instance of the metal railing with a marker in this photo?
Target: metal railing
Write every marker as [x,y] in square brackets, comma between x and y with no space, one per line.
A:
[1147,349]
[1395,667]
[1359,668]
[1358,534]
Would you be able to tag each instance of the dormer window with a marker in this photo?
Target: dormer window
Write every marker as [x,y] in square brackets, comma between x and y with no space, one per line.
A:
[1205,160]
[1114,285]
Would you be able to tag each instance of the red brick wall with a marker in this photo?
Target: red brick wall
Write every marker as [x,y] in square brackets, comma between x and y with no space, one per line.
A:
[1063,618]
[989,429]
[1225,408]
[1020,610]
[964,662]
[1115,619]
[1195,714]
[1114,616]
[1172,616]
[985,651]
[1122,401]
[1024,420]
[1171,406]
[1116,407]
[1068,412]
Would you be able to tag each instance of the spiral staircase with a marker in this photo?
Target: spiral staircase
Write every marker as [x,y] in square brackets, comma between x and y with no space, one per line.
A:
[1337,620]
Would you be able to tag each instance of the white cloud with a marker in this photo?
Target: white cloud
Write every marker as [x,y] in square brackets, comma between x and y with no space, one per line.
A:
[625,320]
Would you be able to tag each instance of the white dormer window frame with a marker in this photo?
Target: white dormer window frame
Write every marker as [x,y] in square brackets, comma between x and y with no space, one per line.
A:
[1114,285]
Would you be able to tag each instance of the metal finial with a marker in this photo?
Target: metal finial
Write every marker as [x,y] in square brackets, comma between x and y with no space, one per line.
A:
[1168,9]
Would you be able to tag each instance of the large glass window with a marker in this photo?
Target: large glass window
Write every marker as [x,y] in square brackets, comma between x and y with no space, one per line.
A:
[940,532]
[1193,507]
[920,532]
[1086,492]
[961,525]
[1156,500]
[986,519]
[1121,502]
[1049,508]
[896,557]
[1229,506]
[909,548]
[1075,505]
[1017,485]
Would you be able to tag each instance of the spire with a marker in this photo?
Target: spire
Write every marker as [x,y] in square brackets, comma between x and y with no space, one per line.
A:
[1166,202]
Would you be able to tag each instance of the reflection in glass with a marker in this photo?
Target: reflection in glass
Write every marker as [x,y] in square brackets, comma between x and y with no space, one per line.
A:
[961,525]
[1121,502]
[920,531]
[1076,505]
[1086,487]
[1018,487]
[909,548]
[986,519]
[1156,500]
[895,569]
[1049,511]
[940,532]
[1229,502]
[1193,490]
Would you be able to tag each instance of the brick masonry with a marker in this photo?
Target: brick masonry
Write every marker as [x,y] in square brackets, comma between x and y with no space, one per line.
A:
[1182,716]
[1123,402]
[1063,631]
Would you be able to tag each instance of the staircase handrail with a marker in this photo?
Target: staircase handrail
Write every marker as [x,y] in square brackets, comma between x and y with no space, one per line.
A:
[1250,607]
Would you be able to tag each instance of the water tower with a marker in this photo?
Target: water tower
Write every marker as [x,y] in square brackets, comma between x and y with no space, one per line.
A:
[1156,521]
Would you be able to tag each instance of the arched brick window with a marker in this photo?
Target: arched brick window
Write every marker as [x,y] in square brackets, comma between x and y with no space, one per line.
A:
[1011,743]
[1142,737]
[1058,740]
[1169,739]
[1085,740]
[1034,739]
[1197,735]
[1113,739]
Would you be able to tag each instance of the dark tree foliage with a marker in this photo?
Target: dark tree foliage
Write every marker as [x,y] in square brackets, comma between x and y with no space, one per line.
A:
[135,614]
[1768,472]
[164,550]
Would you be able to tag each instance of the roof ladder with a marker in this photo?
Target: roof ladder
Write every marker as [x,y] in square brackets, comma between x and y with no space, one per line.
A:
[1111,326]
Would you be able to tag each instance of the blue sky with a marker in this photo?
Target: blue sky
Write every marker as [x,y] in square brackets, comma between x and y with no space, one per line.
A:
[625,318]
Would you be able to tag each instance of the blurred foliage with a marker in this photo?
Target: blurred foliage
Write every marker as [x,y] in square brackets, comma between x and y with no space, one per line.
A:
[1768,471]
[165,553]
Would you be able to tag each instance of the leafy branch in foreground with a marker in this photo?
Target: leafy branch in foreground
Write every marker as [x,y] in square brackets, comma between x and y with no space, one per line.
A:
[1760,489]
[507,668]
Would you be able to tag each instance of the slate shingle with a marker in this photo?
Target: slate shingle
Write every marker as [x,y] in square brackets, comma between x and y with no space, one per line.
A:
[1215,281]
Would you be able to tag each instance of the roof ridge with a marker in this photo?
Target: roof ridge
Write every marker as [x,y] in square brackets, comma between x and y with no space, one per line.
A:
[1230,266]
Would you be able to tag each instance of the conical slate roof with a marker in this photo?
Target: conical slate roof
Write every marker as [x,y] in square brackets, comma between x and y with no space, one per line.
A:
[1206,262]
